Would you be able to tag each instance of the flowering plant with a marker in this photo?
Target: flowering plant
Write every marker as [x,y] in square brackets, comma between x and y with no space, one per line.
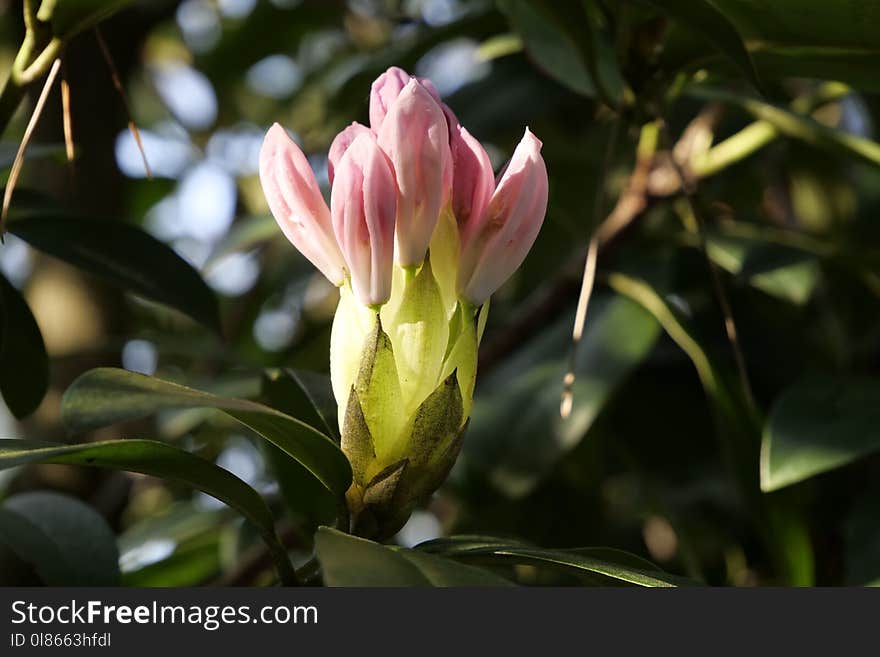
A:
[418,235]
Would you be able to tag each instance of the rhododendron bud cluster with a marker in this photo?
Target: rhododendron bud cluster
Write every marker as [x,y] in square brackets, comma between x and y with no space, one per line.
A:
[418,235]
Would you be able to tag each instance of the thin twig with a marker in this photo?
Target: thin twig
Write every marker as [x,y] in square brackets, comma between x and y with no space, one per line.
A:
[68,125]
[589,277]
[25,140]
[688,187]
[117,83]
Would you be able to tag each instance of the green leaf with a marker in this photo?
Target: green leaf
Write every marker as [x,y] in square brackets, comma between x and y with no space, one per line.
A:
[516,433]
[24,365]
[159,460]
[782,271]
[190,565]
[589,562]
[602,57]
[307,396]
[551,46]
[68,17]
[125,256]
[107,395]
[797,126]
[810,38]
[703,18]
[819,425]
[66,542]
[350,561]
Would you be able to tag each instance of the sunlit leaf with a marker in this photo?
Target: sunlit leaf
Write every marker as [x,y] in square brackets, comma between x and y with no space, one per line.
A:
[817,426]
[350,561]
[578,561]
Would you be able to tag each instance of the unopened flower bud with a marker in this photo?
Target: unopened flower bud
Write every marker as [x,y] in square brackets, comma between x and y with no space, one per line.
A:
[415,136]
[340,144]
[295,200]
[363,206]
[385,90]
[494,246]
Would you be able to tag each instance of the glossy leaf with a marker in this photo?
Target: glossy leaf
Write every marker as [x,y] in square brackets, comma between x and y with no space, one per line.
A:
[817,426]
[159,460]
[307,396]
[125,256]
[65,541]
[578,561]
[24,365]
[351,561]
[106,395]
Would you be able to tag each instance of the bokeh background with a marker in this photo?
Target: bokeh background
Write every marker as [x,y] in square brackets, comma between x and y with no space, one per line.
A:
[660,453]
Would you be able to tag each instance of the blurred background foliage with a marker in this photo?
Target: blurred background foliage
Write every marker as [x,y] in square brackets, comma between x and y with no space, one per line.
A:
[719,152]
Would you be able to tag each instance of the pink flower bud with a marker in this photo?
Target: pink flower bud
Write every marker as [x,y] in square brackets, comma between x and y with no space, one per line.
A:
[498,242]
[296,202]
[340,144]
[385,90]
[364,205]
[474,180]
[416,139]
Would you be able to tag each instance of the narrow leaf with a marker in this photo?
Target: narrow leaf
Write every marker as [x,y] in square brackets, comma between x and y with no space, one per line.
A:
[159,460]
[107,395]
[125,256]
[24,365]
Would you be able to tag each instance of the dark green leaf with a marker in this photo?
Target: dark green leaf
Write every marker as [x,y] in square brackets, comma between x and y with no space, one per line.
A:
[552,48]
[625,567]
[106,395]
[66,542]
[123,255]
[705,20]
[159,460]
[862,535]
[24,365]
[308,397]
[350,561]
[516,432]
[810,38]
[817,426]
[777,269]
